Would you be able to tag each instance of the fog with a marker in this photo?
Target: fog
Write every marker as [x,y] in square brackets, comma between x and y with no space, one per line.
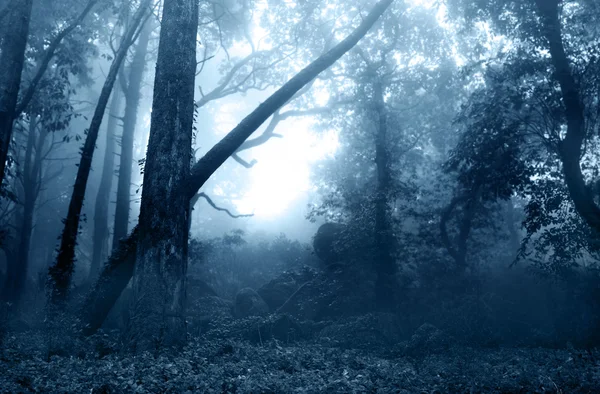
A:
[277,196]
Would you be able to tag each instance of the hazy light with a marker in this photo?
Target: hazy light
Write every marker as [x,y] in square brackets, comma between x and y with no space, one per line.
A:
[282,173]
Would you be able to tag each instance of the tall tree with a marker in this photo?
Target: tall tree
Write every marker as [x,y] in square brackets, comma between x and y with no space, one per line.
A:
[101,230]
[119,269]
[159,281]
[570,148]
[61,272]
[13,41]
[131,85]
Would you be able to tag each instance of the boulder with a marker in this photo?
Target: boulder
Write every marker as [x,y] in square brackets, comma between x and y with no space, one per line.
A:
[249,303]
[279,290]
[332,294]
[283,328]
[197,288]
[329,244]
[428,339]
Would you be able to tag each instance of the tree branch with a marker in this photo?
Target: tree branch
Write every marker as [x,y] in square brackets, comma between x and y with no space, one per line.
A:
[48,57]
[212,204]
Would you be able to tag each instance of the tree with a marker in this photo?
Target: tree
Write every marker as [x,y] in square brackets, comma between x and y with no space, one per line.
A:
[119,269]
[13,41]
[159,280]
[551,121]
[14,44]
[131,84]
[570,148]
[101,230]
[60,273]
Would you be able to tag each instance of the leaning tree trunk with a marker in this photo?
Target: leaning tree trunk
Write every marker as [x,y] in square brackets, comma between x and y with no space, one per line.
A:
[132,90]
[117,272]
[571,146]
[385,264]
[12,56]
[61,272]
[101,230]
[159,280]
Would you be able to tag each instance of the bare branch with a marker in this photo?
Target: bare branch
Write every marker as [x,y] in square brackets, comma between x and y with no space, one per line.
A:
[212,204]
[243,162]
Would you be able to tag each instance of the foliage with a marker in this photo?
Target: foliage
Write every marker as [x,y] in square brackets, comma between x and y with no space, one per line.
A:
[237,366]
[231,262]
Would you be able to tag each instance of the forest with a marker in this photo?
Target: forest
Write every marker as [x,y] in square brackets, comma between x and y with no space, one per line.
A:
[280,196]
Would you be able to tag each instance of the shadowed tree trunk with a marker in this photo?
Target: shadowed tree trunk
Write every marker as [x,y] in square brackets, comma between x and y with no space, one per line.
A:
[131,89]
[101,230]
[117,272]
[159,280]
[16,270]
[571,146]
[61,272]
[458,251]
[13,40]
[385,263]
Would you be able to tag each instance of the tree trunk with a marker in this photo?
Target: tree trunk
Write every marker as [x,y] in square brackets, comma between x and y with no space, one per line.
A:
[32,167]
[12,56]
[132,92]
[117,272]
[16,270]
[570,147]
[101,230]
[385,263]
[159,281]
[459,252]
[61,272]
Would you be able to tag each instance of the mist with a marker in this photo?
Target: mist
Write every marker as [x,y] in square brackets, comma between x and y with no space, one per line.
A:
[245,196]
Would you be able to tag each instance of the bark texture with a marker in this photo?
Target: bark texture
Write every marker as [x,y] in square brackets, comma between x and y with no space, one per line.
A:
[101,230]
[132,91]
[61,272]
[159,281]
[14,30]
[113,277]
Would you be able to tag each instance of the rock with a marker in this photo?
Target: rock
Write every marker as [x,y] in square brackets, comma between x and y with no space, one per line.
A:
[426,340]
[279,290]
[249,303]
[329,245]
[342,292]
[197,288]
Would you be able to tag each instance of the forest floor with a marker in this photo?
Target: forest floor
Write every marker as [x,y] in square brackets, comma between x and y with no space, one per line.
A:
[239,366]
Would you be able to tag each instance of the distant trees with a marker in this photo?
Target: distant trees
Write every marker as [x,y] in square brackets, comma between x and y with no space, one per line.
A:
[384,127]
[131,85]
